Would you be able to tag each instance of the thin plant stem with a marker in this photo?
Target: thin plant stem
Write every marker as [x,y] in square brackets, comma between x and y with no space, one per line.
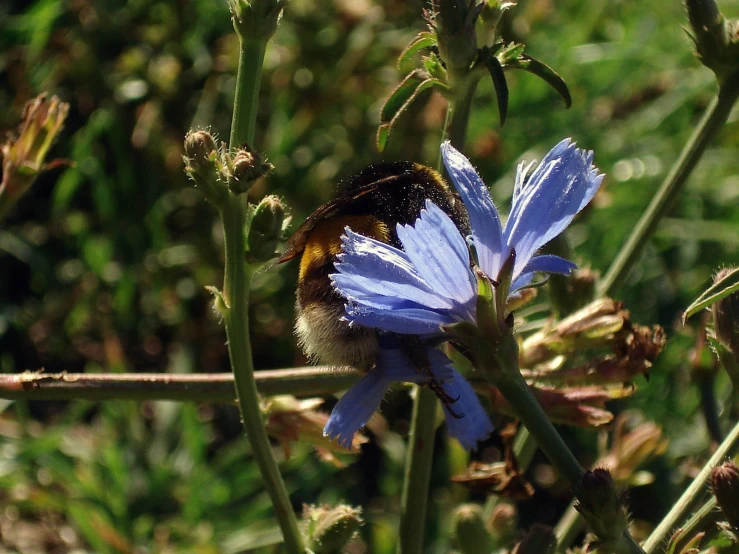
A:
[692,493]
[569,526]
[517,392]
[244,119]
[711,123]
[235,296]
[418,472]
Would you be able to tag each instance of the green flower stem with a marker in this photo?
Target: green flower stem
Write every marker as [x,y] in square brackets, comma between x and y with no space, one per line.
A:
[418,472]
[248,81]
[709,126]
[692,493]
[191,387]
[235,299]
[235,312]
[458,112]
[504,372]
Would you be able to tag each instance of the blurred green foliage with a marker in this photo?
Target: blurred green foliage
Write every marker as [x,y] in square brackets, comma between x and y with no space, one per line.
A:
[104,263]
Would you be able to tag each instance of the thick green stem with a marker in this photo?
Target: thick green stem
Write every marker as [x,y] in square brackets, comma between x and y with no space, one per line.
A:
[248,81]
[709,126]
[418,472]
[518,394]
[692,493]
[458,112]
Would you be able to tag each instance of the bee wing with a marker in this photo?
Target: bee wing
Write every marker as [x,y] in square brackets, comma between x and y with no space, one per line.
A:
[296,243]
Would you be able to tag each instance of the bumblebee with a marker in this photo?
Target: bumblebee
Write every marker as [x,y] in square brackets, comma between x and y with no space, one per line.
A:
[372,203]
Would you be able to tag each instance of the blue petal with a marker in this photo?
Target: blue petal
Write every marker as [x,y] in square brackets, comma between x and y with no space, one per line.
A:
[355,408]
[484,220]
[410,320]
[474,425]
[370,268]
[555,192]
[547,263]
[440,255]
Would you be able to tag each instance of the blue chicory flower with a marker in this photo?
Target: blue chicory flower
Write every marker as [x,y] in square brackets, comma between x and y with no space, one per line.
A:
[430,283]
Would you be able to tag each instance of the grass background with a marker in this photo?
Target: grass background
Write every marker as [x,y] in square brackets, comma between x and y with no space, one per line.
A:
[104,264]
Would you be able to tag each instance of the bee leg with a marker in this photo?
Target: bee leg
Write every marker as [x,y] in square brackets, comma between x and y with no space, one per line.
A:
[415,350]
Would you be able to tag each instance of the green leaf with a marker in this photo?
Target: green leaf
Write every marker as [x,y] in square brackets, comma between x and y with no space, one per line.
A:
[543,71]
[383,132]
[728,285]
[501,86]
[407,91]
[422,41]
[401,94]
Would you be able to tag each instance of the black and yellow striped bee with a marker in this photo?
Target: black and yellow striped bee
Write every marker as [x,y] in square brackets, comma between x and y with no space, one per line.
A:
[372,203]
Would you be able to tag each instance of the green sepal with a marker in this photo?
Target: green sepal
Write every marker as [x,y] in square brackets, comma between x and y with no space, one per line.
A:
[435,67]
[422,41]
[487,313]
[728,285]
[546,73]
[505,278]
[403,96]
[509,53]
[495,68]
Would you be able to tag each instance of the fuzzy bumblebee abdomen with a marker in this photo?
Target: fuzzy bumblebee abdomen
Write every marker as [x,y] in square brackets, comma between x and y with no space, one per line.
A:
[322,333]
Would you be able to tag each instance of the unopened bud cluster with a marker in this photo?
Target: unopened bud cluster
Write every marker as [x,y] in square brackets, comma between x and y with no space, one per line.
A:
[725,485]
[215,169]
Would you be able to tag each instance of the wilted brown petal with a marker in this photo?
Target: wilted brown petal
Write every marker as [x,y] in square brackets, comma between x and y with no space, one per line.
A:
[580,406]
[292,420]
[503,478]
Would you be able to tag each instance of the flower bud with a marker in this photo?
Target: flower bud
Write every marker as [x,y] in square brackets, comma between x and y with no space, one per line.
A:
[503,522]
[538,540]
[716,39]
[600,506]
[492,12]
[329,529]
[726,317]
[255,19]
[200,146]
[469,530]
[454,23]
[203,165]
[725,485]
[246,167]
[265,231]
